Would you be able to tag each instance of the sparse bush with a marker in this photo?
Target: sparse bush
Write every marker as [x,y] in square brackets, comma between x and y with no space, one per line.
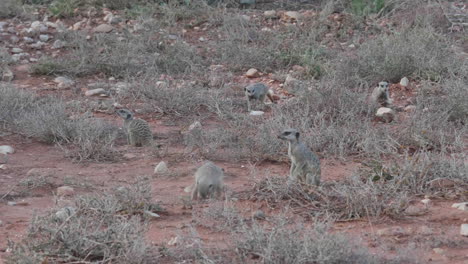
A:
[97,229]
[64,8]
[10,8]
[417,52]
[46,119]
[286,243]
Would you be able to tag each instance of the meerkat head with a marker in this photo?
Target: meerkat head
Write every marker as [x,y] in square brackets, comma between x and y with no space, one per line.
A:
[125,114]
[249,90]
[383,86]
[289,135]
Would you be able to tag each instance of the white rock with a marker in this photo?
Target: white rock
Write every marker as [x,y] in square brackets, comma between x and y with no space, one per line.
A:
[293,15]
[3,167]
[98,91]
[426,201]
[37,26]
[129,156]
[410,108]
[151,214]
[161,168]
[161,85]
[103,28]
[44,38]
[65,191]
[438,251]
[16,50]
[37,45]
[252,73]
[15,39]
[256,113]
[5,149]
[270,14]
[195,125]
[464,230]
[174,241]
[3,24]
[461,206]
[28,40]
[404,82]
[64,82]
[385,114]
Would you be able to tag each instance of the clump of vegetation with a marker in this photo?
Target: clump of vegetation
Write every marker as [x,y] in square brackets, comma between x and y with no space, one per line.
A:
[97,228]
[46,119]
[417,52]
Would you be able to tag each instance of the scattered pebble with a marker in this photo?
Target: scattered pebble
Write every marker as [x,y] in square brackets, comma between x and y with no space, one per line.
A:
[404,82]
[464,230]
[161,168]
[174,241]
[98,91]
[252,73]
[151,214]
[16,50]
[270,14]
[103,28]
[259,215]
[5,149]
[44,38]
[256,113]
[385,114]
[461,206]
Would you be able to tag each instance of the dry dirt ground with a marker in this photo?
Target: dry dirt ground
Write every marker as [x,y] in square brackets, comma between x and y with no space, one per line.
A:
[383,236]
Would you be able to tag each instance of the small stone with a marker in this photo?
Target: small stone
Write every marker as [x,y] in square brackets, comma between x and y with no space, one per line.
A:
[202,39]
[5,149]
[351,46]
[3,24]
[44,38]
[58,44]
[195,125]
[464,230]
[174,241]
[461,206]
[14,39]
[161,85]
[65,191]
[11,203]
[20,203]
[1,223]
[404,82]
[64,213]
[98,91]
[252,73]
[391,231]
[77,25]
[385,114]
[151,214]
[115,20]
[410,108]
[161,168]
[3,167]
[37,45]
[293,15]
[426,202]
[270,14]
[7,75]
[64,82]
[414,210]
[259,214]
[16,50]
[129,156]
[438,251]
[28,40]
[256,113]
[103,28]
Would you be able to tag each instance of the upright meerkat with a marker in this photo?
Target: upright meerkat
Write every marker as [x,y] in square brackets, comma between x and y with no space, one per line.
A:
[381,96]
[305,165]
[138,131]
[208,181]
[258,91]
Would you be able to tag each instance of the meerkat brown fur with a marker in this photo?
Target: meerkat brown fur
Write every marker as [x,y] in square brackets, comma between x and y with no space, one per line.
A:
[381,96]
[208,181]
[138,131]
[257,91]
[305,165]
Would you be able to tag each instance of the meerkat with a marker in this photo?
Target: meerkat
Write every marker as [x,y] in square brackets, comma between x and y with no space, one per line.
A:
[381,95]
[305,165]
[258,91]
[208,181]
[138,131]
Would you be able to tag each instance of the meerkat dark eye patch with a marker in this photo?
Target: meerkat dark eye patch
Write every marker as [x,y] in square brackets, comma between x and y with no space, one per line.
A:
[287,133]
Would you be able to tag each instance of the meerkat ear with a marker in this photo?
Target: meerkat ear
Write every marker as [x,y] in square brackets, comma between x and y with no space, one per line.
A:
[245,88]
[297,135]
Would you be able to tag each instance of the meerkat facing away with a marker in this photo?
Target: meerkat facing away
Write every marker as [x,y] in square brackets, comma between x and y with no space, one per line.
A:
[138,131]
[381,95]
[305,165]
[258,91]
[208,181]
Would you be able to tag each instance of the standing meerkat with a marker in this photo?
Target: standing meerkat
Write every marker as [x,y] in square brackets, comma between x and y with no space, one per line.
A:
[305,165]
[208,181]
[381,96]
[258,91]
[138,131]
